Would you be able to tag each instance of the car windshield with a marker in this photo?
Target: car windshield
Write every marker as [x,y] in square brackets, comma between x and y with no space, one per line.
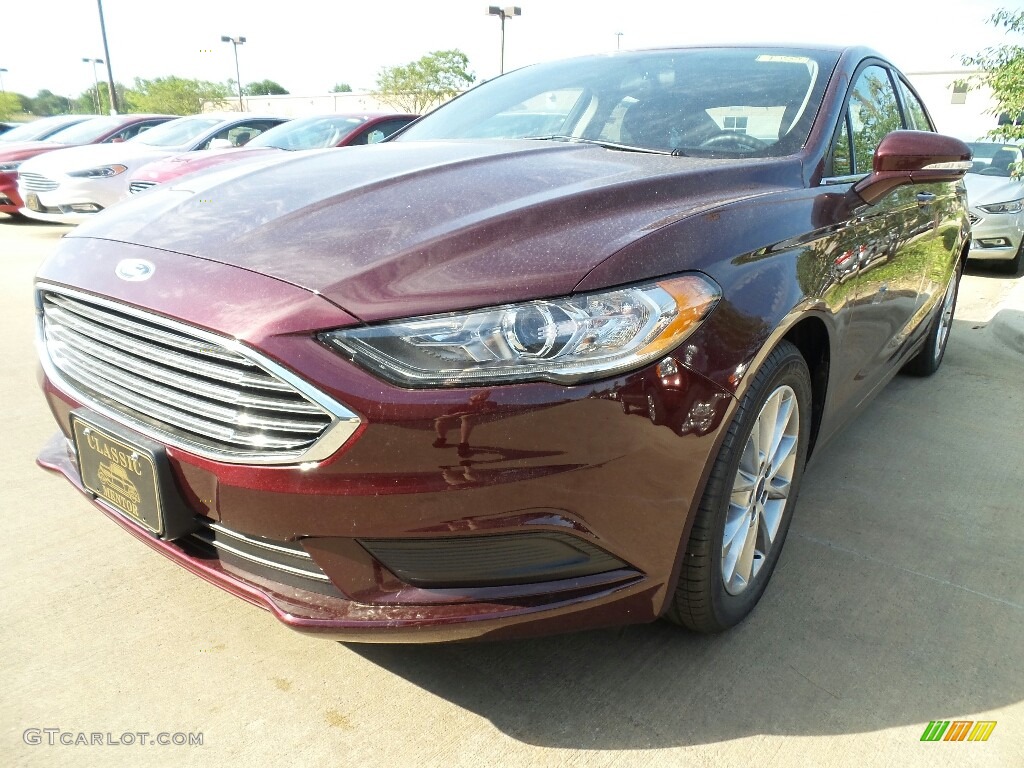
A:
[308,133]
[991,159]
[87,132]
[34,131]
[719,102]
[177,132]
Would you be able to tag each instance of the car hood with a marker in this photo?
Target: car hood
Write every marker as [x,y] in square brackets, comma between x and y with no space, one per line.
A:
[984,190]
[92,155]
[27,149]
[165,169]
[407,228]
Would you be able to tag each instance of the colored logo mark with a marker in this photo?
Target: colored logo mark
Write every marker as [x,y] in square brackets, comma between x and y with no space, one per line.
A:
[958,730]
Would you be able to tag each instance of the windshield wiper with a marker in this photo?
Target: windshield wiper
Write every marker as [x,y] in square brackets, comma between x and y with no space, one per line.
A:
[595,142]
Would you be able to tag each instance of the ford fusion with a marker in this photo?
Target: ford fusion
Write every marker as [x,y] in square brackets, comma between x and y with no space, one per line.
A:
[554,357]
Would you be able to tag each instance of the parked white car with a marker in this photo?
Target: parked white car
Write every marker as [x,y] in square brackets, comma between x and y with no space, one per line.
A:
[71,185]
[996,199]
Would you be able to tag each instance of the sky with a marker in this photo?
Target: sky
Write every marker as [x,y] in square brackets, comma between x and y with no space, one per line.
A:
[309,45]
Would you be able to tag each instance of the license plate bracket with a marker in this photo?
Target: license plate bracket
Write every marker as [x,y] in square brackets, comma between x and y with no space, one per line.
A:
[130,474]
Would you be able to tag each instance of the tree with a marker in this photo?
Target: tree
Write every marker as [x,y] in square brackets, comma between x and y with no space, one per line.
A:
[419,85]
[48,103]
[264,88]
[86,103]
[10,104]
[174,95]
[341,88]
[1003,71]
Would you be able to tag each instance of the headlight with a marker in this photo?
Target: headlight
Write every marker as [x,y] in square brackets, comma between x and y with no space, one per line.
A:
[566,340]
[9,166]
[1013,206]
[103,172]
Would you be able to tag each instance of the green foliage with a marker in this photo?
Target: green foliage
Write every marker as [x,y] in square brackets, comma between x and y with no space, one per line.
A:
[264,88]
[419,85]
[341,88]
[174,95]
[48,103]
[10,104]
[1003,71]
[86,103]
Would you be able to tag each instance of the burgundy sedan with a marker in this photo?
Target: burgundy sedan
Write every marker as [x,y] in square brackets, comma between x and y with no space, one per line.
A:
[316,132]
[554,357]
[98,130]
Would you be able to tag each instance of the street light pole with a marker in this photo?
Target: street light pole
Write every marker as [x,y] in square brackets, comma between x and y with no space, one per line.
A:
[504,13]
[96,81]
[236,41]
[618,41]
[110,72]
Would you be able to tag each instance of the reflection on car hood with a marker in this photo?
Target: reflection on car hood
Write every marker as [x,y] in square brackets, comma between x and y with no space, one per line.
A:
[984,190]
[165,169]
[407,228]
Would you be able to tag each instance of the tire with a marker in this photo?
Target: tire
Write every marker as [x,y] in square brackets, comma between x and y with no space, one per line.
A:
[1013,265]
[927,361]
[712,593]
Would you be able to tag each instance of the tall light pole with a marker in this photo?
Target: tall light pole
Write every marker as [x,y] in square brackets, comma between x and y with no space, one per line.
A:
[236,41]
[618,41]
[504,13]
[96,81]
[110,72]
[2,70]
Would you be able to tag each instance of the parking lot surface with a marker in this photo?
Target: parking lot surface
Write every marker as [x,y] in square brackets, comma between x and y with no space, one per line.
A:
[897,601]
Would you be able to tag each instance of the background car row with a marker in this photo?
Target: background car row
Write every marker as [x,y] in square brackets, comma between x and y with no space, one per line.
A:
[102,160]
[57,133]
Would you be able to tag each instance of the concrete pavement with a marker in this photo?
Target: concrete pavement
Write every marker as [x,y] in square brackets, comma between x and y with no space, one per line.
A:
[897,601]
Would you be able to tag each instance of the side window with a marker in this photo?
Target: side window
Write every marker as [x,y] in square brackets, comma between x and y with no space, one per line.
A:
[917,118]
[378,132]
[842,157]
[133,130]
[873,112]
[241,134]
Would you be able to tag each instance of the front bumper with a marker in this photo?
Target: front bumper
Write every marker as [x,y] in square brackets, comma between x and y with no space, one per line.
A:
[995,236]
[560,461]
[10,200]
[73,201]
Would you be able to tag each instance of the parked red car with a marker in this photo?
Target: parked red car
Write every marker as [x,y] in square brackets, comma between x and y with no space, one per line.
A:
[381,393]
[316,132]
[97,130]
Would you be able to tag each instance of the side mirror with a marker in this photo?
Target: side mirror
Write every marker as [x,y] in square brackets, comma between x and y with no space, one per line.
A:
[220,144]
[913,157]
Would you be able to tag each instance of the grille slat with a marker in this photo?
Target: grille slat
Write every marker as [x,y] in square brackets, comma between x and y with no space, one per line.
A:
[196,391]
[36,182]
[84,367]
[177,340]
[199,387]
[140,186]
[146,351]
[276,555]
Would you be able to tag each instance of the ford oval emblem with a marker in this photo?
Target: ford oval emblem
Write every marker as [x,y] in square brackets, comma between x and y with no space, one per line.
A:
[134,270]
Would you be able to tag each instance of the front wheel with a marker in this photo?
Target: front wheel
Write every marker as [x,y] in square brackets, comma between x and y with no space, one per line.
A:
[747,506]
[927,361]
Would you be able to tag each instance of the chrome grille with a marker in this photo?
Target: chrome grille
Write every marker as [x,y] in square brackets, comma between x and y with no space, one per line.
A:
[207,394]
[140,186]
[35,182]
[973,218]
